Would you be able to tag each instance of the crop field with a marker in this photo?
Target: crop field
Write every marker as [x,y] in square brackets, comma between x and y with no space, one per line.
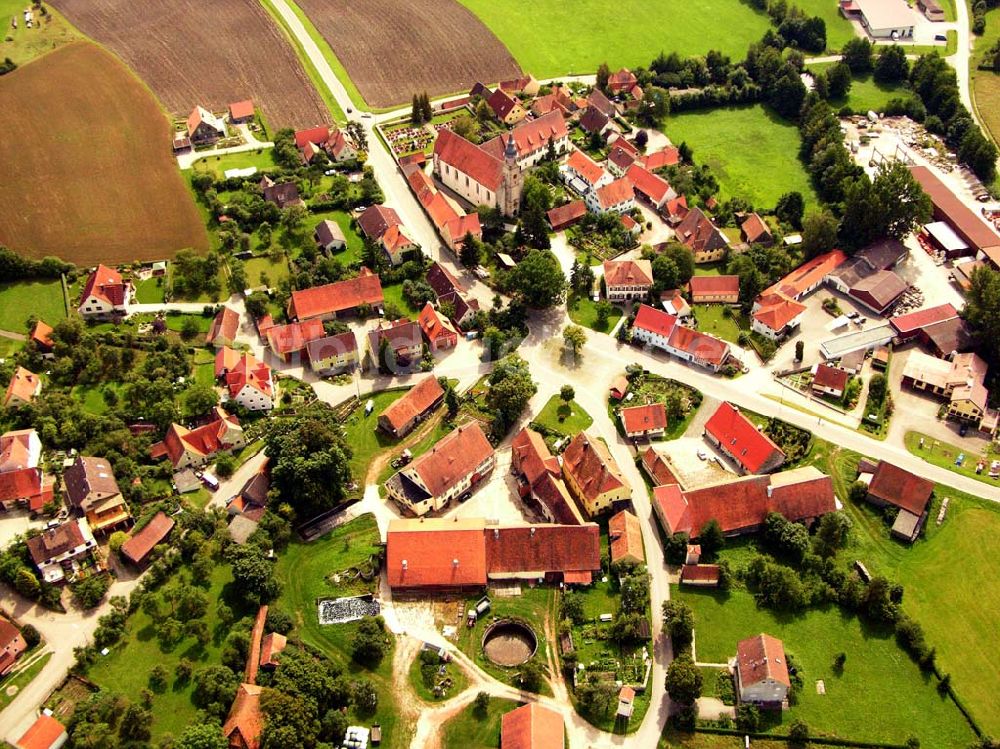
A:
[73,187]
[752,152]
[574,38]
[205,53]
[392,49]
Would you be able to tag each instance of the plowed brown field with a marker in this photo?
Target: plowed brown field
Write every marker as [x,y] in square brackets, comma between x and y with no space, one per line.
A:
[87,170]
[208,52]
[395,48]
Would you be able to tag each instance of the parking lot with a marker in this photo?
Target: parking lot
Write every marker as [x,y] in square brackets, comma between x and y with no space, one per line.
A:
[496,499]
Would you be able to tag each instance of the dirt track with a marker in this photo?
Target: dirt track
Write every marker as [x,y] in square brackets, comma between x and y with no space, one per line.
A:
[395,48]
[208,53]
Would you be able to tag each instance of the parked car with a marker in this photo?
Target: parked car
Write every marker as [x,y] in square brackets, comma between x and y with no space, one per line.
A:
[960,459]
[963,429]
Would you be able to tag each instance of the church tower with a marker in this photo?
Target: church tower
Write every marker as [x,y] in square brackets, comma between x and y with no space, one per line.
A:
[513,180]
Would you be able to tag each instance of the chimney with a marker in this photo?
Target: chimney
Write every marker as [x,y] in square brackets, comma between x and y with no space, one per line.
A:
[770,490]
[532,531]
[404,564]
[496,533]
[454,563]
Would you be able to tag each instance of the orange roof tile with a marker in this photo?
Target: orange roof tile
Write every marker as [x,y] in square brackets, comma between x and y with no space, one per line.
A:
[435,553]
[245,722]
[592,466]
[417,400]
[628,273]
[625,535]
[469,159]
[333,298]
[23,387]
[532,726]
[44,733]
[650,417]
[734,431]
[762,657]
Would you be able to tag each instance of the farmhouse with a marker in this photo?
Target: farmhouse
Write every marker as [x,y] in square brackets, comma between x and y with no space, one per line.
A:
[698,348]
[287,341]
[594,121]
[282,194]
[830,380]
[332,141]
[666,156]
[105,293]
[616,197]
[22,482]
[333,354]
[762,672]
[910,494]
[882,19]
[334,300]
[959,381]
[247,380]
[939,329]
[754,230]
[593,477]
[453,466]
[584,174]
[697,232]
[395,346]
[45,733]
[203,127]
[539,479]
[225,326]
[61,553]
[507,108]
[714,289]
[653,327]
[625,539]
[437,329]
[565,216]
[532,726]
[776,316]
[399,418]
[650,187]
[328,236]
[140,544]
[91,492]
[24,386]
[948,207]
[807,277]
[41,336]
[621,82]
[381,224]
[194,447]
[657,468]
[736,437]
[241,112]
[643,422]
[625,280]
[449,291]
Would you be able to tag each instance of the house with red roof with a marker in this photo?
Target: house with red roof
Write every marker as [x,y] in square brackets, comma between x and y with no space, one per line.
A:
[22,482]
[625,280]
[761,670]
[532,139]
[653,327]
[754,230]
[714,289]
[330,140]
[616,197]
[106,293]
[508,109]
[740,440]
[395,347]
[620,158]
[592,475]
[140,543]
[12,644]
[454,466]
[656,467]
[776,316]
[569,554]
[830,381]
[401,416]
[909,326]
[666,156]
[697,232]
[564,216]
[20,449]
[203,127]
[23,387]
[625,539]
[194,447]
[289,341]
[224,328]
[437,329]
[247,380]
[338,299]
[910,494]
[41,336]
[245,722]
[45,733]
[532,726]
[591,175]
[333,354]
[807,277]
[62,553]
[741,506]
[449,291]
[241,112]
[271,647]
[621,82]
[539,479]
[698,348]
[381,224]
[700,575]
[644,422]
[652,188]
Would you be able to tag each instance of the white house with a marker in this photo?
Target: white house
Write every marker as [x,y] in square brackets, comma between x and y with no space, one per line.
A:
[58,552]
[106,293]
[762,671]
[617,197]
[653,327]
[625,280]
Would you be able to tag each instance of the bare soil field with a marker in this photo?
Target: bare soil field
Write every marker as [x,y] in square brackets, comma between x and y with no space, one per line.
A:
[394,48]
[208,53]
[87,170]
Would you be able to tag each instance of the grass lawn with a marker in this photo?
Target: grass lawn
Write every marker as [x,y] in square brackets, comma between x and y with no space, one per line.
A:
[351,254]
[150,290]
[305,571]
[881,694]
[23,44]
[567,418]
[752,152]
[577,37]
[472,729]
[713,320]
[583,311]
[92,396]
[363,435]
[258,267]
[458,679]
[44,299]
[126,668]
[394,295]
[717,268]
[944,454]
[865,93]
[262,158]
[176,323]
[21,679]
[986,84]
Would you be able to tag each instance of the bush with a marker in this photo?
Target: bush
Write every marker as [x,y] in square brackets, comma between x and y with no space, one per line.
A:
[747,718]
[31,635]
[799,732]
[89,592]
[369,645]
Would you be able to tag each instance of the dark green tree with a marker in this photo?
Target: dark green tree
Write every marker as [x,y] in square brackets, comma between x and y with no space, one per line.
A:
[683,680]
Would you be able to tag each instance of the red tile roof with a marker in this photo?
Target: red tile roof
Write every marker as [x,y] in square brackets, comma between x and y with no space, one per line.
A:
[565,216]
[698,233]
[621,157]
[44,733]
[625,535]
[270,648]
[628,273]
[754,228]
[701,346]
[437,328]
[531,457]
[534,550]
[333,298]
[15,450]
[248,371]
[375,221]
[734,431]
[469,159]
[655,188]
[502,103]
[224,327]
[830,377]
[592,466]
[644,418]
[701,286]
[700,573]
[531,135]
[623,80]
[241,109]
[807,275]
[23,484]
[417,401]
[901,488]
[41,334]
[668,156]
[401,335]
[452,458]
[287,339]
[106,284]
[334,345]
[657,468]
[762,657]
[655,321]
[914,321]
[588,169]
[777,310]
[532,726]
[613,194]
[140,543]
[245,722]
[435,553]
[23,386]
[317,135]
[207,439]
